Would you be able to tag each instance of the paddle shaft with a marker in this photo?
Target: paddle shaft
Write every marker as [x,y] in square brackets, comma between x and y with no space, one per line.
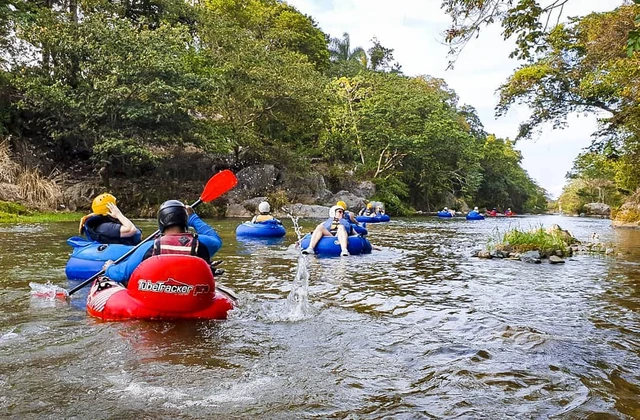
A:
[124,257]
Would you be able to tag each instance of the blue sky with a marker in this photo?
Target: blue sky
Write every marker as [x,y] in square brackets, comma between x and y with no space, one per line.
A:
[413,29]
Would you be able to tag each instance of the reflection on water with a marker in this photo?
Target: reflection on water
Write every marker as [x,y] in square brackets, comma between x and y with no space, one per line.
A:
[418,328]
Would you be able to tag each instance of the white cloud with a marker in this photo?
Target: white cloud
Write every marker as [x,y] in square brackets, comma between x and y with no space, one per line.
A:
[413,28]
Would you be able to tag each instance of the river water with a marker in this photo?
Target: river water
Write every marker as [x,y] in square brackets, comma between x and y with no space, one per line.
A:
[418,329]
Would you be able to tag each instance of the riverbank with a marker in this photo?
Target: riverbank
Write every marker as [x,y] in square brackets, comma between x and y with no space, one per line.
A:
[17,213]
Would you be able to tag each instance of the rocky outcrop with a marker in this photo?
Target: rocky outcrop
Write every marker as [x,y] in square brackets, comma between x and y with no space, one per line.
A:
[628,216]
[597,209]
[309,189]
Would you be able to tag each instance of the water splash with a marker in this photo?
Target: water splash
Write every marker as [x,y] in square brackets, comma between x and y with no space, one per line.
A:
[298,299]
[48,290]
[294,219]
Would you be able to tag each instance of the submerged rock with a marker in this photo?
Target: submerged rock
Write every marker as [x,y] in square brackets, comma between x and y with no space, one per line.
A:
[554,259]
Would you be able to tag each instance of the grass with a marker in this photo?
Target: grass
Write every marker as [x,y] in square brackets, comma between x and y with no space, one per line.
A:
[17,213]
[545,241]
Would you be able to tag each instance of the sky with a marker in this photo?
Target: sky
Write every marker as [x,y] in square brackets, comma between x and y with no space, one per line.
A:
[413,29]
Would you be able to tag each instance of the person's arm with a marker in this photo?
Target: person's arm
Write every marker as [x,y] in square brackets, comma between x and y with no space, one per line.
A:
[121,272]
[206,234]
[127,228]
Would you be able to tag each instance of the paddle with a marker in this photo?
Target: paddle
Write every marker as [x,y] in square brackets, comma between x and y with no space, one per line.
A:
[217,185]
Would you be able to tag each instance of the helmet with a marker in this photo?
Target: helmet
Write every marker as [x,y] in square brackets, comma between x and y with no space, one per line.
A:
[370,205]
[332,210]
[475,208]
[172,213]
[446,208]
[342,204]
[264,207]
[99,205]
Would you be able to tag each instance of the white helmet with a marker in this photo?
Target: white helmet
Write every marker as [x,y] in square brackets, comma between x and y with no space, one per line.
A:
[475,208]
[332,210]
[264,207]
[446,208]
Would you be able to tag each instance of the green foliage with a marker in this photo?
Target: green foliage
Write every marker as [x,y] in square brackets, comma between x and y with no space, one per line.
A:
[128,84]
[277,199]
[13,208]
[504,183]
[545,241]
[592,180]
[538,239]
[394,194]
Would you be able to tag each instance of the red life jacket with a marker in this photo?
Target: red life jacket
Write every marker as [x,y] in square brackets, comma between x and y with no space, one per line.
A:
[176,243]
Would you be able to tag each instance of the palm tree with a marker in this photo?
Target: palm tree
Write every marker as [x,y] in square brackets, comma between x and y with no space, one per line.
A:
[340,51]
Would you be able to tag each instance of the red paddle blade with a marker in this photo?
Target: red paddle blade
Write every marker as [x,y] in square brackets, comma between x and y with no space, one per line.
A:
[218,184]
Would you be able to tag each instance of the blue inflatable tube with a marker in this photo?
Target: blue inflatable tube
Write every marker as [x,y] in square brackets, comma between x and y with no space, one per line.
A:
[373,219]
[268,229]
[443,213]
[88,257]
[474,215]
[330,247]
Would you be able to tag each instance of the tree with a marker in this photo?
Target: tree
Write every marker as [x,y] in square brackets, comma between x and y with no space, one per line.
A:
[381,58]
[340,51]
[528,20]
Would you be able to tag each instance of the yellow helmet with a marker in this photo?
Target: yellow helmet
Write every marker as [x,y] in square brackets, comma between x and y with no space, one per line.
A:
[370,205]
[99,205]
[342,204]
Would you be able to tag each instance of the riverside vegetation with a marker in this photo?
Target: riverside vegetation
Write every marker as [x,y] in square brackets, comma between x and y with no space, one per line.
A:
[145,99]
[531,245]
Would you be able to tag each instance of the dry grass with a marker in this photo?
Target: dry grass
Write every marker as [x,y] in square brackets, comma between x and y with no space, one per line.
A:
[9,169]
[39,191]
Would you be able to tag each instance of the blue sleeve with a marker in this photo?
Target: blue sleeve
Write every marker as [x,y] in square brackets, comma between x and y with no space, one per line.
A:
[206,234]
[122,271]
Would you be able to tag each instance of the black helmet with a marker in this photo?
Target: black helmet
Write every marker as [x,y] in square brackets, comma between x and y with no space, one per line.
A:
[172,213]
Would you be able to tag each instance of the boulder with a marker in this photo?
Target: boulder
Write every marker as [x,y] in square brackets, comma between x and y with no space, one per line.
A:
[354,203]
[364,189]
[629,213]
[597,209]
[255,180]
[310,211]
[554,259]
[531,257]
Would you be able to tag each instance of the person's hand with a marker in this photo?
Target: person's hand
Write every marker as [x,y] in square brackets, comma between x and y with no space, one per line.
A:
[189,210]
[114,211]
[107,264]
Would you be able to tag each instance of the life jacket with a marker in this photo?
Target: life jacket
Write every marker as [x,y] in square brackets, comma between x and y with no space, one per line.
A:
[262,218]
[176,243]
[91,222]
[332,225]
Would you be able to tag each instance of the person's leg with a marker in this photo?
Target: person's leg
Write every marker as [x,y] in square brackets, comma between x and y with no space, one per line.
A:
[343,239]
[318,233]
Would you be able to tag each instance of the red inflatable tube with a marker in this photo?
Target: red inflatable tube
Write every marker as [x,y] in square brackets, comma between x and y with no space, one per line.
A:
[163,287]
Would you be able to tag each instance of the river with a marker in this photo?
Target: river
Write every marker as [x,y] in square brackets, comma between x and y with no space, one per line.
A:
[418,329]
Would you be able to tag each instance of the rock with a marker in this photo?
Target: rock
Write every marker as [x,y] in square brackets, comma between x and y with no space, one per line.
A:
[237,210]
[555,260]
[354,203]
[531,257]
[311,211]
[485,254]
[255,180]
[628,216]
[10,192]
[597,209]
[364,189]
[564,234]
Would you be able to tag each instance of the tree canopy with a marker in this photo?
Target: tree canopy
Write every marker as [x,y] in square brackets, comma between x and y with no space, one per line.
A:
[126,86]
